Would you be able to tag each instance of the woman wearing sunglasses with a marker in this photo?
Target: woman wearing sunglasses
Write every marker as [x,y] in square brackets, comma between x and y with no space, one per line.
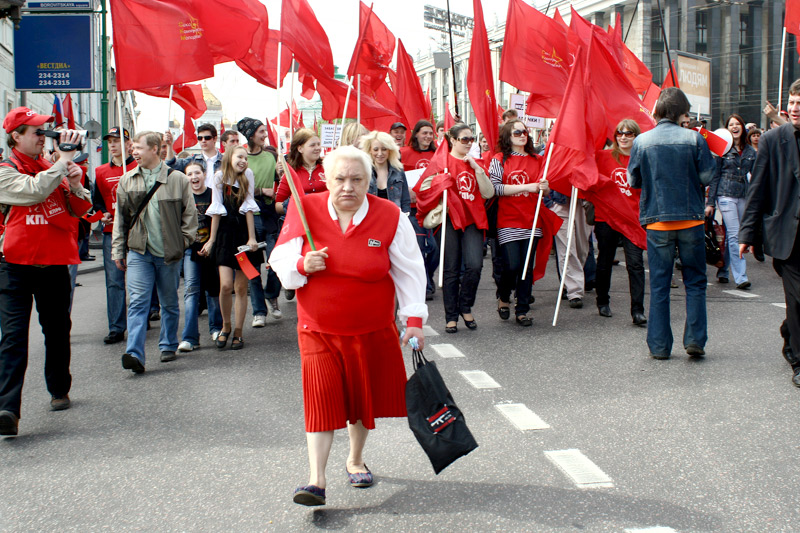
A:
[614,164]
[465,222]
[513,172]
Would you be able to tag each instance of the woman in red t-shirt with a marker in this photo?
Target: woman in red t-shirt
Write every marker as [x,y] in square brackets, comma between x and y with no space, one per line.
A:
[614,164]
[305,160]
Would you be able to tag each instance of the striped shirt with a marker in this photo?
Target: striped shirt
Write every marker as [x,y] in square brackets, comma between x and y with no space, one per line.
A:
[505,235]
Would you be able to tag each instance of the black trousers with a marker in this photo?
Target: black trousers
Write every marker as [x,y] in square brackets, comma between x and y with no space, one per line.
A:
[459,290]
[607,239]
[513,254]
[49,286]
[789,271]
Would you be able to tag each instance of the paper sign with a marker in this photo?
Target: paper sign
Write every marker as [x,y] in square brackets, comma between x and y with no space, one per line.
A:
[413,176]
[517,102]
[329,135]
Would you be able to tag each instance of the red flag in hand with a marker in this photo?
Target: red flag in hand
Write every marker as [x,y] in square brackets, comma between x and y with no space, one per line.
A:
[480,82]
[716,144]
[188,96]
[69,114]
[247,267]
[189,134]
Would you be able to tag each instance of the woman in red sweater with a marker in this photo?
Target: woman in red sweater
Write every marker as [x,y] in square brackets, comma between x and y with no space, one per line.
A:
[352,366]
[306,162]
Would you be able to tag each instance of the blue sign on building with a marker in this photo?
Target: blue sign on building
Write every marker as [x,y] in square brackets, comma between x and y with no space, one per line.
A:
[60,4]
[53,53]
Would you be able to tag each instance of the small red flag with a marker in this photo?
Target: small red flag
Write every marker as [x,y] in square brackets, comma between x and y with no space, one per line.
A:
[449,121]
[651,97]
[333,94]
[69,114]
[671,79]
[273,135]
[716,144]
[94,217]
[247,267]
[57,111]
[188,96]
[189,134]
[480,82]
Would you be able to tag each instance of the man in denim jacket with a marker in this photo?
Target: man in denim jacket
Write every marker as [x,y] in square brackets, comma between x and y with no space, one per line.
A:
[672,166]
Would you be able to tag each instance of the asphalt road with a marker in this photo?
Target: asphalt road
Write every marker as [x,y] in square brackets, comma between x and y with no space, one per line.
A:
[214,441]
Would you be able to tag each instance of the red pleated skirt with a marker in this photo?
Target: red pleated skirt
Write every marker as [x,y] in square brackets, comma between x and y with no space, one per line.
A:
[347,378]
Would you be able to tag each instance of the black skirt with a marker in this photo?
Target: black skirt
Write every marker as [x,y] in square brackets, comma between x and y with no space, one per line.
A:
[232,233]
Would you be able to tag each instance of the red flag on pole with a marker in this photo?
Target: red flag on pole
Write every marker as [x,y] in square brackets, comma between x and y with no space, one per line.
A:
[69,114]
[303,34]
[406,87]
[189,134]
[247,267]
[188,96]
[716,144]
[333,94]
[636,71]
[449,121]
[385,97]
[374,49]
[480,81]
[651,97]
[792,20]
[273,136]
[221,131]
[262,59]
[671,79]
[229,27]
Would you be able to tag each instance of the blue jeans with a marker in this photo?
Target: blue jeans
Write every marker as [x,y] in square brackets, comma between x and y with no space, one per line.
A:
[661,258]
[272,289]
[429,248]
[115,290]
[144,272]
[732,210]
[192,285]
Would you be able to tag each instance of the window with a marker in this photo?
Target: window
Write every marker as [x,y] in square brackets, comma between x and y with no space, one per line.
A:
[446,83]
[743,31]
[701,24]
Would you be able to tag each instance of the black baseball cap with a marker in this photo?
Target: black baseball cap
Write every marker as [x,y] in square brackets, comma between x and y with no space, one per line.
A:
[398,125]
[114,132]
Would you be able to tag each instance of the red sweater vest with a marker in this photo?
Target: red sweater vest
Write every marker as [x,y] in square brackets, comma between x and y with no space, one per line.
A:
[413,160]
[468,195]
[106,180]
[517,211]
[355,293]
[618,172]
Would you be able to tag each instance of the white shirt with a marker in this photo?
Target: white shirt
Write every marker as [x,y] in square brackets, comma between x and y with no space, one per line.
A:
[407,268]
[217,206]
[210,167]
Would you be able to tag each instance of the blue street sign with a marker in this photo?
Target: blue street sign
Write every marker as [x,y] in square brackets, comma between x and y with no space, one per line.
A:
[53,53]
[55,4]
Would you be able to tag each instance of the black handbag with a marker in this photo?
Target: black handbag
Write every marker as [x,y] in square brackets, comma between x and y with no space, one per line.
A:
[433,416]
[715,242]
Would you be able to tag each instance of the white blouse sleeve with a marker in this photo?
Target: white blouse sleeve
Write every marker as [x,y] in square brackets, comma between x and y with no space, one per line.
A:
[249,203]
[408,272]
[217,207]
[283,260]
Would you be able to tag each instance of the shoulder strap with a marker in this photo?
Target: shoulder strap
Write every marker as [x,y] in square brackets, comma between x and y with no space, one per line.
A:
[144,203]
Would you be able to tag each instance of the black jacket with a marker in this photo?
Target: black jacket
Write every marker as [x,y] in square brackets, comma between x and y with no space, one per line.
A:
[773,197]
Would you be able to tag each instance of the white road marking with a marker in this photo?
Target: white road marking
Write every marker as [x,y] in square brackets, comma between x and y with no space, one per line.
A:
[656,529]
[782,306]
[742,294]
[580,469]
[479,379]
[447,350]
[522,417]
[428,331]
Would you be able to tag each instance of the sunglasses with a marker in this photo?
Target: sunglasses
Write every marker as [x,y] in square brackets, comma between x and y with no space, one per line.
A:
[205,137]
[466,140]
[626,134]
[519,133]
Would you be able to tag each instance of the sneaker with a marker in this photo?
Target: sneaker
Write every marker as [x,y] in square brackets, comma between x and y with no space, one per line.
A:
[259,321]
[9,424]
[214,336]
[154,315]
[289,294]
[694,350]
[167,356]
[132,363]
[186,346]
[59,404]
[114,337]
[576,303]
[274,309]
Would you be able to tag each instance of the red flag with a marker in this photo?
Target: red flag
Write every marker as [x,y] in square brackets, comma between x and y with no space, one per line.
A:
[536,57]
[189,133]
[792,20]
[229,27]
[221,131]
[333,94]
[558,18]
[429,106]
[316,128]
[261,62]
[549,223]
[671,79]
[636,71]
[303,34]
[438,167]
[385,97]
[247,267]
[651,97]
[57,111]
[69,114]
[449,121]
[166,30]
[272,135]
[290,117]
[716,144]
[406,87]
[480,82]
[188,96]
[374,49]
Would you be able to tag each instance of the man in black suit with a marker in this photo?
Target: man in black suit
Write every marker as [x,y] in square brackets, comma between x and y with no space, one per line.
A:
[773,200]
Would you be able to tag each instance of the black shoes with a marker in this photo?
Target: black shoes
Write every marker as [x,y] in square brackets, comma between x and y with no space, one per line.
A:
[639,319]
[167,356]
[471,324]
[289,294]
[429,295]
[114,337]
[604,310]
[524,321]
[576,303]
[504,312]
[132,363]
[154,315]
[451,329]
[795,381]
[60,404]
[744,286]
[694,350]
[723,280]
[9,424]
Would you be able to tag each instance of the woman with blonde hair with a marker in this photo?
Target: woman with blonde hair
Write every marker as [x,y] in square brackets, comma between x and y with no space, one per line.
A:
[352,134]
[388,178]
[614,163]
[232,225]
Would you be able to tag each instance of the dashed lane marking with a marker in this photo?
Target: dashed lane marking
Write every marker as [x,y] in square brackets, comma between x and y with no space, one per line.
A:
[742,294]
[447,350]
[479,379]
[583,472]
[656,529]
[781,305]
[429,331]
[522,417]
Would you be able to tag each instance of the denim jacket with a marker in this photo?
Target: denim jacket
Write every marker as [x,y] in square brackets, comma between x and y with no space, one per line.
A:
[396,188]
[672,166]
[731,176]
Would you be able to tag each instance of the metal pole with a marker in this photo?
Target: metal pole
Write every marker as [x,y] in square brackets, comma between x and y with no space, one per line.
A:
[358,98]
[121,133]
[536,214]
[444,231]
[573,205]
[291,93]
[666,45]
[780,75]
[104,74]
[277,101]
[452,59]
[633,17]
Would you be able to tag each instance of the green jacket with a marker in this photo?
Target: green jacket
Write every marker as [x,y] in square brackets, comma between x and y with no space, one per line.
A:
[176,207]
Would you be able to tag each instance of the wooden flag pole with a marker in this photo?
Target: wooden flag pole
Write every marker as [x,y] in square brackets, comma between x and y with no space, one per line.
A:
[573,204]
[536,215]
[344,113]
[444,232]
[287,175]
[780,74]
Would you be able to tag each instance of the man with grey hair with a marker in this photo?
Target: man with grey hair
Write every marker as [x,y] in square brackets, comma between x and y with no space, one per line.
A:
[156,220]
[346,292]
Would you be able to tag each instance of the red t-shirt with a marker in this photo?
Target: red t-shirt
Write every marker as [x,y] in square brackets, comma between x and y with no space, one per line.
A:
[106,180]
[414,160]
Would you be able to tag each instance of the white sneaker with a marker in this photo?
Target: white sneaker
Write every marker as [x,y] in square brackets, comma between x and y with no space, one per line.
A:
[185,346]
[274,310]
[214,336]
[259,321]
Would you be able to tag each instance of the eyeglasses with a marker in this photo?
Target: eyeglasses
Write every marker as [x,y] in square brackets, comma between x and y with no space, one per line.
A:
[466,140]
[205,137]
[519,133]
[626,134]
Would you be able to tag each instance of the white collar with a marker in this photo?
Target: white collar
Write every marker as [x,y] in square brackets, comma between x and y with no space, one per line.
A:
[359,217]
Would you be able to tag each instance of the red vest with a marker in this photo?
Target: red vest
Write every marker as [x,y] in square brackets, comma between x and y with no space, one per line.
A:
[413,160]
[618,172]
[106,179]
[45,233]
[355,293]
[517,211]
[467,194]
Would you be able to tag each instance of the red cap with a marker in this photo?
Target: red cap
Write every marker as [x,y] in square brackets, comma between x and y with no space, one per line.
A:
[22,115]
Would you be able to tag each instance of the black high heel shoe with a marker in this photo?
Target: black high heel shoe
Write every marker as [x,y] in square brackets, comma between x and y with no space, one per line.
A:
[471,324]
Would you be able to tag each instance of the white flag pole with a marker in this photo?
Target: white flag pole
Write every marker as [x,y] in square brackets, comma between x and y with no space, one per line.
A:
[444,232]
[291,92]
[358,99]
[780,74]
[573,204]
[344,112]
[122,131]
[278,99]
[169,106]
[536,215]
